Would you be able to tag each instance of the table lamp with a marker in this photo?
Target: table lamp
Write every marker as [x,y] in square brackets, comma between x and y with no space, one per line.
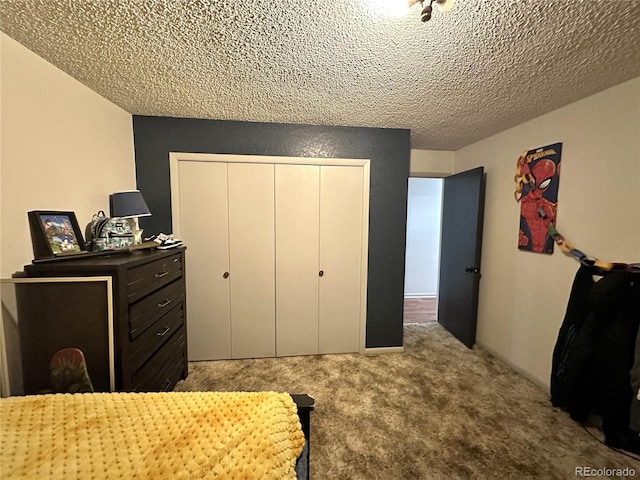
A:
[131,205]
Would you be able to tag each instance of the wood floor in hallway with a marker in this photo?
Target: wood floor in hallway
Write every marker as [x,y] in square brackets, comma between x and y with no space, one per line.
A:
[420,310]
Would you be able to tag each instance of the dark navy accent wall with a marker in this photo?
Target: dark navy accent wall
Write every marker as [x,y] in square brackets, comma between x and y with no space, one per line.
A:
[388,150]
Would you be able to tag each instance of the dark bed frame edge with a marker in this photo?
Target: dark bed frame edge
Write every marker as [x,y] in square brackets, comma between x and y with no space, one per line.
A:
[305,405]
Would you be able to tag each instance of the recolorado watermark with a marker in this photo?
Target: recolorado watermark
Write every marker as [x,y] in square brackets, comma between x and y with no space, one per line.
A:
[605,472]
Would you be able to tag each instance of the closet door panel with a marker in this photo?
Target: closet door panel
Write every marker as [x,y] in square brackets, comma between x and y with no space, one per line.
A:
[252,259]
[203,227]
[340,258]
[297,251]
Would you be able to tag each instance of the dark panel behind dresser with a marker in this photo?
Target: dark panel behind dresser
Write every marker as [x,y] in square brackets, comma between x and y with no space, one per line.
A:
[53,316]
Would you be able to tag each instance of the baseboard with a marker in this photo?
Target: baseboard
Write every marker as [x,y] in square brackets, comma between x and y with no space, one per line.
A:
[379,350]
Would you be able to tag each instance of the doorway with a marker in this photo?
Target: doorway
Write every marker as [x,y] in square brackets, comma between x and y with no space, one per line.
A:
[422,260]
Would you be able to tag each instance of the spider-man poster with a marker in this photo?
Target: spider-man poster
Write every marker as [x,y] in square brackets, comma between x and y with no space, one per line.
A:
[537,181]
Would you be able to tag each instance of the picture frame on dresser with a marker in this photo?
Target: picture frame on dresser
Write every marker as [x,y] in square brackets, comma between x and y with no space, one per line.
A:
[55,233]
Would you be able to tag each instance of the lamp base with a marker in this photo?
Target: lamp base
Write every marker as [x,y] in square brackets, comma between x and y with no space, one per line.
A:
[137,231]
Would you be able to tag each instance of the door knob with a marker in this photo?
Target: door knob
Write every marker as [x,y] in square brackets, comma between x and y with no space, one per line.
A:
[225,275]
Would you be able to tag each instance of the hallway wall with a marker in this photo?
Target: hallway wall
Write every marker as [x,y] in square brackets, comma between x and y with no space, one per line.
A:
[424,208]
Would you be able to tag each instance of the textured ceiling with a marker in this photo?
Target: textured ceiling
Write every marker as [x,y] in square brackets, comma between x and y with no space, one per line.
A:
[477,70]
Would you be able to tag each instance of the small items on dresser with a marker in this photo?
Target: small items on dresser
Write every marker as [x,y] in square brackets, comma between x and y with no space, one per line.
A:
[164,241]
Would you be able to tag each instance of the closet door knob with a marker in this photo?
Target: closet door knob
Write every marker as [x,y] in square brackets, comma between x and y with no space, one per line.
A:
[321,273]
[225,275]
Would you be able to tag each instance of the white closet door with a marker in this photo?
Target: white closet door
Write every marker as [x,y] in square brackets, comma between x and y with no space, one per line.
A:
[203,228]
[297,246]
[252,259]
[340,257]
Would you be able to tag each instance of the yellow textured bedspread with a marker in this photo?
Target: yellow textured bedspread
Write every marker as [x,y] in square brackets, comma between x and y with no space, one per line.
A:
[174,435]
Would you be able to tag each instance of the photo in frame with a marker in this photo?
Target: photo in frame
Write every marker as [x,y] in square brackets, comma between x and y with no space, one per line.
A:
[55,233]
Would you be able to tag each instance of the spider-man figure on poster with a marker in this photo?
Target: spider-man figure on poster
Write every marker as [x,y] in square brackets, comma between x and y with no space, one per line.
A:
[538,193]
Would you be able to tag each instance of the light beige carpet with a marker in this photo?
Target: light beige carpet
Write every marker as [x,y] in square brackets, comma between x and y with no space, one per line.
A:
[438,410]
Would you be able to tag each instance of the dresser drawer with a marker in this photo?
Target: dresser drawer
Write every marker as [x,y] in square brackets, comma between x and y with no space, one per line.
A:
[172,374]
[144,346]
[165,368]
[147,311]
[147,278]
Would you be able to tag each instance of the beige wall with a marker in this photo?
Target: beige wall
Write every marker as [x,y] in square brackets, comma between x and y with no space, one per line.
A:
[431,163]
[63,147]
[523,295]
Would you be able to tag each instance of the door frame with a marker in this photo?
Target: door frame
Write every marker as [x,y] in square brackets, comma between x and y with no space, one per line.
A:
[174,172]
[432,176]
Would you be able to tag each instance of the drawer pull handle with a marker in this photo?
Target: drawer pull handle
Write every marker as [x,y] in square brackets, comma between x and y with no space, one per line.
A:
[160,275]
[176,260]
[164,332]
[164,304]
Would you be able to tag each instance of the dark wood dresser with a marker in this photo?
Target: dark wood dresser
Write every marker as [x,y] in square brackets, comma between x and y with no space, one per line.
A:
[149,319]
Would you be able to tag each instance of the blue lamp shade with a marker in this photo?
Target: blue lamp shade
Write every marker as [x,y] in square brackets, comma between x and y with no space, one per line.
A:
[128,204]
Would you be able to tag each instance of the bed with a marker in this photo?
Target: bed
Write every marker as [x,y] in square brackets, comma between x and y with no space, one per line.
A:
[176,435]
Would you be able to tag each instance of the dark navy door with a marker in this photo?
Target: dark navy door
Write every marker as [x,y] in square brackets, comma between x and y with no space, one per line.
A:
[461,245]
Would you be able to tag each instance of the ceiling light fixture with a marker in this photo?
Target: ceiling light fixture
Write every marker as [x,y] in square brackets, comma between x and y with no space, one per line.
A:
[427,10]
